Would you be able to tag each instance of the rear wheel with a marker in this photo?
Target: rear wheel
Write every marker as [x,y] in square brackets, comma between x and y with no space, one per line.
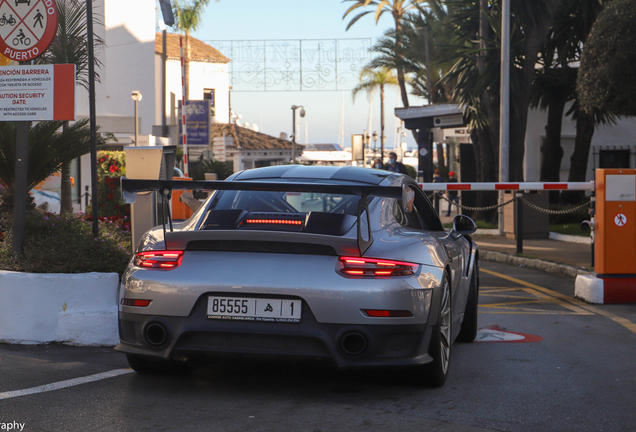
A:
[434,374]
[148,366]
[468,332]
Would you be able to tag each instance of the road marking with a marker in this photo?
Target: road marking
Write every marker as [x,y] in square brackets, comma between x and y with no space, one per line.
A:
[64,384]
[523,301]
[617,319]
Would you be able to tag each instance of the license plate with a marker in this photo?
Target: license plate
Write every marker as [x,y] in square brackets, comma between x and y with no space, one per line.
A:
[254,309]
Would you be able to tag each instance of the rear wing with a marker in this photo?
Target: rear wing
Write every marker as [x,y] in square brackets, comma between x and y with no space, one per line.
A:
[130,187]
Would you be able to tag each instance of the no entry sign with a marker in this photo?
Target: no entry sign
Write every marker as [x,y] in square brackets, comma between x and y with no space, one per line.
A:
[27,28]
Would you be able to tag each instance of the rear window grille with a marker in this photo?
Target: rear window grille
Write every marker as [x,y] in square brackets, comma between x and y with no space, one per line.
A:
[259,246]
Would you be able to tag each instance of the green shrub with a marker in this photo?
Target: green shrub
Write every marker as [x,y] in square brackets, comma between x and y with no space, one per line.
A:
[65,244]
[222,169]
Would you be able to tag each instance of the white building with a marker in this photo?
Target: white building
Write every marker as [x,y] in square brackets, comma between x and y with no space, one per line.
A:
[131,59]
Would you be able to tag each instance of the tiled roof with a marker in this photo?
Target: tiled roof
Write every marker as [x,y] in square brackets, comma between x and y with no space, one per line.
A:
[247,139]
[200,51]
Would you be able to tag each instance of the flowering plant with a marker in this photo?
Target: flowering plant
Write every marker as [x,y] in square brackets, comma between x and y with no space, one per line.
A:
[111,165]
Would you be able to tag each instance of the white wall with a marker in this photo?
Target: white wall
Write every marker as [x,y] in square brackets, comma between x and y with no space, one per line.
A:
[623,133]
[202,76]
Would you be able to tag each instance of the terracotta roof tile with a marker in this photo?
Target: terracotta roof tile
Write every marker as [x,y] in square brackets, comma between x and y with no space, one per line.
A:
[248,139]
[200,51]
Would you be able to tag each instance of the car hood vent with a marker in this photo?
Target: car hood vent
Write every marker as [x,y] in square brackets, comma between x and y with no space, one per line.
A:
[260,246]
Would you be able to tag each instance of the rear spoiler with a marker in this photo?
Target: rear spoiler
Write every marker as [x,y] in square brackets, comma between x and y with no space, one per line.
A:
[130,187]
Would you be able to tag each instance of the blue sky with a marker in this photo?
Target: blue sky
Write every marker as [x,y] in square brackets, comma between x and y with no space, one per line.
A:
[294,20]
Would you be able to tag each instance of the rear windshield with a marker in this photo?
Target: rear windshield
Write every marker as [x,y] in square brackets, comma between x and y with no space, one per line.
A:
[288,202]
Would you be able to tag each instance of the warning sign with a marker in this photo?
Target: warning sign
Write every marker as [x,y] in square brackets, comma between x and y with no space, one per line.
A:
[620,219]
[27,28]
[35,93]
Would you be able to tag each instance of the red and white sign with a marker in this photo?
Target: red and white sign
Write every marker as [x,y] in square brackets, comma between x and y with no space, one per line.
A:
[37,92]
[620,219]
[27,28]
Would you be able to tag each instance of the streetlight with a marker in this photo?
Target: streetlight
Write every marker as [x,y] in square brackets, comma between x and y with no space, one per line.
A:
[136,96]
[375,141]
[302,114]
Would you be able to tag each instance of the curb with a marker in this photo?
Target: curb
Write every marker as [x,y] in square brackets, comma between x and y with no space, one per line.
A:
[537,264]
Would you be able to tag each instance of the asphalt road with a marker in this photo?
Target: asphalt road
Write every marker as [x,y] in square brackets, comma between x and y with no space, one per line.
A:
[571,368]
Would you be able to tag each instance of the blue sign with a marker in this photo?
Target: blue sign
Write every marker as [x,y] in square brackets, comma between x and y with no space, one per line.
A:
[197,114]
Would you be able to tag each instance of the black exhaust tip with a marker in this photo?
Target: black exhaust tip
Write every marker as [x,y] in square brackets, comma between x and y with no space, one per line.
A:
[156,333]
[354,343]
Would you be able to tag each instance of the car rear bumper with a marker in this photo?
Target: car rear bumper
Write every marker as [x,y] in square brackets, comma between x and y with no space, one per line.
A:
[348,345]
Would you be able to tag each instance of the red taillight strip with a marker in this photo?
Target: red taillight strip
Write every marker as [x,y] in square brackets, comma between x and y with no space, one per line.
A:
[135,302]
[376,313]
[274,221]
[372,267]
[166,260]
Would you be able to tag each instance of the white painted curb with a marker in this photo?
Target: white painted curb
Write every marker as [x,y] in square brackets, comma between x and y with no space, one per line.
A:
[589,288]
[77,309]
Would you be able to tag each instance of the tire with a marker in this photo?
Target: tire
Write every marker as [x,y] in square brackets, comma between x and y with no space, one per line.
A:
[468,332]
[151,366]
[434,374]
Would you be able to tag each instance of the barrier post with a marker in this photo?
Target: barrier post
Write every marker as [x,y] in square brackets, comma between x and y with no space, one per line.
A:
[614,240]
[519,221]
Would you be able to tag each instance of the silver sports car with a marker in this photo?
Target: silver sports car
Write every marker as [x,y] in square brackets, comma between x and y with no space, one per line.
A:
[342,263]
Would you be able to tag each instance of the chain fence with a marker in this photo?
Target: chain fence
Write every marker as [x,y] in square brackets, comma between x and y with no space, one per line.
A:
[528,203]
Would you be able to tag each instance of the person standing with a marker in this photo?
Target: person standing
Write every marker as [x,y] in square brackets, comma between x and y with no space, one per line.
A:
[377,164]
[394,165]
[452,194]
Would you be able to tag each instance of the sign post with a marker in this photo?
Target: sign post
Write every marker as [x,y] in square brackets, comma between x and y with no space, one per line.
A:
[28,30]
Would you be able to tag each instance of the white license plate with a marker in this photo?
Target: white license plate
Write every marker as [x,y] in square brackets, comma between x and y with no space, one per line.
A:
[254,309]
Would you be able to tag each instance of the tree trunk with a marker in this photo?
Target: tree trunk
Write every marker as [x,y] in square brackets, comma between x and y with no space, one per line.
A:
[66,192]
[551,150]
[441,162]
[400,71]
[580,157]
[535,37]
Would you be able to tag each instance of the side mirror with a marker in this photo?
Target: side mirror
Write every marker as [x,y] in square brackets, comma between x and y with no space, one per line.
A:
[464,225]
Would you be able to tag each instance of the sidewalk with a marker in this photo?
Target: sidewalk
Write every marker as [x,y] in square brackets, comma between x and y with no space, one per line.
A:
[554,256]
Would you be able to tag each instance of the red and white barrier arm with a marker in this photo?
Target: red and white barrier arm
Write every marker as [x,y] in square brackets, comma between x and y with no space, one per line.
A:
[533,186]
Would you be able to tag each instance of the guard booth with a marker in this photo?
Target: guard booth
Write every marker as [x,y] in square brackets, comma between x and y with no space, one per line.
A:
[614,240]
[149,163]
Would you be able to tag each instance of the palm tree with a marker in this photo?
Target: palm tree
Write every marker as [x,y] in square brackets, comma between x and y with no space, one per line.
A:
[188,17]
[478,92]
[70,46]
[370,79]
[398,10]
[52,147]
[555,84]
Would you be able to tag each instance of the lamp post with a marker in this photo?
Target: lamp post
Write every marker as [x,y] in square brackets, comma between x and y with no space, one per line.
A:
[136,96]
[302,114]
[375,141]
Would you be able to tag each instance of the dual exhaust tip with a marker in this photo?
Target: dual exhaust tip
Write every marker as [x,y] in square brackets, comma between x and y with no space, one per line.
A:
[156,334]
[352,343]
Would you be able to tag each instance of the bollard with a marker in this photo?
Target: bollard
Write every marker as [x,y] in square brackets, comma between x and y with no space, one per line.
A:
[519,221]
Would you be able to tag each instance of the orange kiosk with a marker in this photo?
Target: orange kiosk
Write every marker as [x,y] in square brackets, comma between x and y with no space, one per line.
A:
[615,240]
[180,211]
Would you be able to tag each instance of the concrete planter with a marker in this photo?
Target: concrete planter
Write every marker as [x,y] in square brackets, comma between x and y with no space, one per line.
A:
[77,309]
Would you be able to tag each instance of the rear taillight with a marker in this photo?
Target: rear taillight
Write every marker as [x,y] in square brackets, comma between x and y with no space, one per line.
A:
[162,260]
[371,267]
[381,313]
[135,302]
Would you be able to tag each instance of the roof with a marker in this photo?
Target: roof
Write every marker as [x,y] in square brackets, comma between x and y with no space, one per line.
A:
[248,139]
[199,51]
